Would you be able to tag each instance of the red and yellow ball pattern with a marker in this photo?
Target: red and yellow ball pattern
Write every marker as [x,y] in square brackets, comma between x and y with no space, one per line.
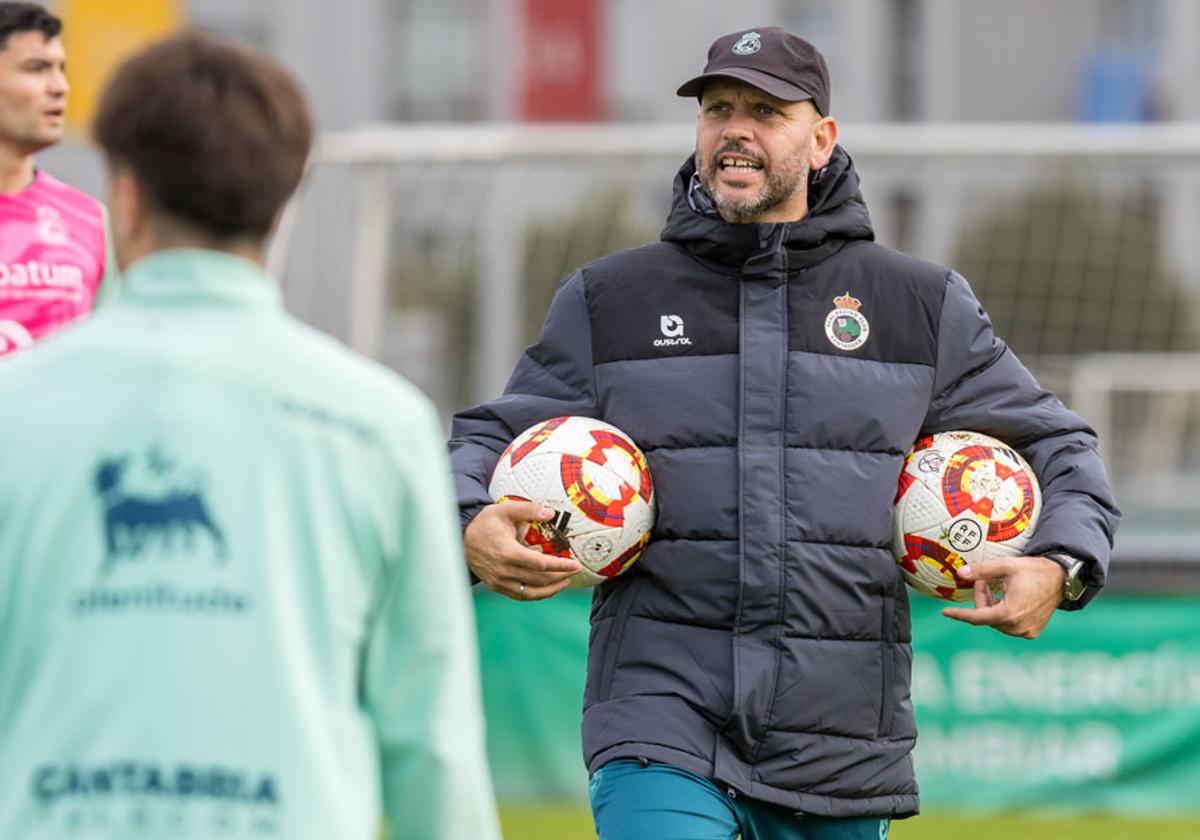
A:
[599,482]
[961,497]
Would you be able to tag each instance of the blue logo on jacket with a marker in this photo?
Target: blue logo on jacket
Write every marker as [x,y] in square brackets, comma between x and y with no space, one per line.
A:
[169,518]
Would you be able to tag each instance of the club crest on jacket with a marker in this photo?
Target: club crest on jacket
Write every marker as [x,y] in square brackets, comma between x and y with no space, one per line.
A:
[846,327]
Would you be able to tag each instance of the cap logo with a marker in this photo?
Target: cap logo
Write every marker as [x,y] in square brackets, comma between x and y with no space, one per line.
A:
[748,44]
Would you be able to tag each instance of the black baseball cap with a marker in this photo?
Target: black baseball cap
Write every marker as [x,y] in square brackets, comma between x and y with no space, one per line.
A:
[771,59]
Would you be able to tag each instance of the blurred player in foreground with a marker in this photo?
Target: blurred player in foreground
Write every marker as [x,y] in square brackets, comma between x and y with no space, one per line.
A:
[232,598]
[751,672]
[55,257]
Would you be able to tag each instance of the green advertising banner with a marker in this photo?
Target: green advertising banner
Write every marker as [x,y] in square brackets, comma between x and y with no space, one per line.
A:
[1101,713]
[533,657]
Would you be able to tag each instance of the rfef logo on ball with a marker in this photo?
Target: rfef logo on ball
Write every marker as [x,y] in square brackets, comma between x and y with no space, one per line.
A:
[846,327]
[163,548]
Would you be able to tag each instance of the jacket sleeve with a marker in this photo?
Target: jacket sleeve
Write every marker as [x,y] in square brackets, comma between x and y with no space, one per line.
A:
[420,682]
[980,385]
[553,378]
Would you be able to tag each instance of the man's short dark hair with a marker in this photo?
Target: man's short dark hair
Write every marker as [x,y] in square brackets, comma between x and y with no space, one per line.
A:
[26,17]
[217,134]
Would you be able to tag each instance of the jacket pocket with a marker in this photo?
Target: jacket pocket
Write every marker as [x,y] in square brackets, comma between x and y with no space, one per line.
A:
[887,660]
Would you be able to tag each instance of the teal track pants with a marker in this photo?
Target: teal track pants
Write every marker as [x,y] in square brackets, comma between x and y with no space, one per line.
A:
[636,800]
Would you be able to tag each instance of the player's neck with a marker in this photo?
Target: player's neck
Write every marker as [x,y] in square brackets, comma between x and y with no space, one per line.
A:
[16,171]
[251,250]
[248,249]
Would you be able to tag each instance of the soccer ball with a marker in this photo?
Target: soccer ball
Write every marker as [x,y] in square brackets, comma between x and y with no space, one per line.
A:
[597,480]
[963,497]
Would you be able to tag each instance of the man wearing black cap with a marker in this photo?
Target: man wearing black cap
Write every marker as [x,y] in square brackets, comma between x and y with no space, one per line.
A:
[781,81]
[750,673]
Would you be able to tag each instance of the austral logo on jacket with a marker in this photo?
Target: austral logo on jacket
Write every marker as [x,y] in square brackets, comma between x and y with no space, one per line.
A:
[671,326]
[846,327]
[166,514]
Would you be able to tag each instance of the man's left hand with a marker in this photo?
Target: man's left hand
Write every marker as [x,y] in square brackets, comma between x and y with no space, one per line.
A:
[1032,588]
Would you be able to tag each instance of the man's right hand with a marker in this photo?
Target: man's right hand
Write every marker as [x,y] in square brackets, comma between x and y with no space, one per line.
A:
[506,565]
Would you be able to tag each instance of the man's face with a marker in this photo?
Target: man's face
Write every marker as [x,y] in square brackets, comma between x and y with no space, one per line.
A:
[753,152]
[33,92]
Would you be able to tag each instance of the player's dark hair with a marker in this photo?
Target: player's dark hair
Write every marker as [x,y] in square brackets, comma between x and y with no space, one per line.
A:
[215,133]
[26,17]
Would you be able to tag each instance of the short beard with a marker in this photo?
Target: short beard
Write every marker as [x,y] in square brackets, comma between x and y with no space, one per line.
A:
[784,181]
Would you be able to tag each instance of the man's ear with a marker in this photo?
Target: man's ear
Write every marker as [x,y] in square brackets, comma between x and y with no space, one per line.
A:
[824,136]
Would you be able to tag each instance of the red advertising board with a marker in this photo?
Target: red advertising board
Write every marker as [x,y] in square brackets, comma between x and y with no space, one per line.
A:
[559,67]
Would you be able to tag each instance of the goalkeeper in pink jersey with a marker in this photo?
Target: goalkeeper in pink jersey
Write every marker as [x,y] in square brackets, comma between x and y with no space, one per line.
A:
[54,253]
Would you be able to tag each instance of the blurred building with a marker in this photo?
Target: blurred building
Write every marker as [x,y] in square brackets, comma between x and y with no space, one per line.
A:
[891,59]
[467,60]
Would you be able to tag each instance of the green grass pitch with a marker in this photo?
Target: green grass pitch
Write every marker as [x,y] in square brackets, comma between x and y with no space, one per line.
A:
[574,822]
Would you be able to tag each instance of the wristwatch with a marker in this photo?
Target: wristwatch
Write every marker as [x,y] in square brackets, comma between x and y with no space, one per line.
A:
[1073,583]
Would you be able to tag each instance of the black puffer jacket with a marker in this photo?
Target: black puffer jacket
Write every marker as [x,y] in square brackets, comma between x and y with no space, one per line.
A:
[763,638]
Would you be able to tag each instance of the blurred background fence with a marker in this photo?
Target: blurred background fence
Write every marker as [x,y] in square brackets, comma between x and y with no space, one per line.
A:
[436,249]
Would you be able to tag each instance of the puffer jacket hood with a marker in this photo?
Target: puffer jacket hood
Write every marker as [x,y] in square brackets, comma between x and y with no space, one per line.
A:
[837,214]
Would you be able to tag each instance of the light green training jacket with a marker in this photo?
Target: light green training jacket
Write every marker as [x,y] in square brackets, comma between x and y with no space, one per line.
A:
[232,597]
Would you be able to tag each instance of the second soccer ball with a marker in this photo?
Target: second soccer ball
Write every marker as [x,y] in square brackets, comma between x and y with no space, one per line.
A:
[963,497]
